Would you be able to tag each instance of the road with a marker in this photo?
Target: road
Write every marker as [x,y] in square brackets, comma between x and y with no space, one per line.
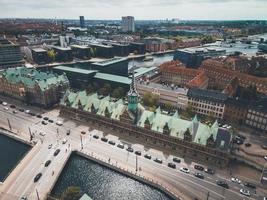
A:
[20,182]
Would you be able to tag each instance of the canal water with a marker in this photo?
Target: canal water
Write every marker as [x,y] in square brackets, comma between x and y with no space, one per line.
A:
[102,183]
[11,152]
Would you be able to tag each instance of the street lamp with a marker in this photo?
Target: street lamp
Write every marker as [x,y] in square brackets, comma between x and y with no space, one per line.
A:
[136,164]
[9,125]
[81,141]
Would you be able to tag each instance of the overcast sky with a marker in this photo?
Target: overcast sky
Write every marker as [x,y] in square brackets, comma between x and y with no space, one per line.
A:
[141,9]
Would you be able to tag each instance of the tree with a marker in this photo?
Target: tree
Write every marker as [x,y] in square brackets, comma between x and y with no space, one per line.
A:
[208,39]
[71,193]
[150,99]
[105,90]
[168,106]
[51,55]
[90,88]
[116,93]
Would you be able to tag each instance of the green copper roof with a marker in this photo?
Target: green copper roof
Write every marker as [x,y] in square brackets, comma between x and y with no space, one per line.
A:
[30,77]
[75,70]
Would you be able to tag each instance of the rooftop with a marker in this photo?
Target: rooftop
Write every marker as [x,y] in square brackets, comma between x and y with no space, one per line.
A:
[109,61]
[75,70]
[39,50]
[143,70]
[80,46]
[209,95]
[202,50]
[62,48]
[113,78]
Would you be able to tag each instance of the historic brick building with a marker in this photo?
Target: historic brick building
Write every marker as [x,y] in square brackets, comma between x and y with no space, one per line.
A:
[220,77]
[183,137]
[33,86]
[174,72]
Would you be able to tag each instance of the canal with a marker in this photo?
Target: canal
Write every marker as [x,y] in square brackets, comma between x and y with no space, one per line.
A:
[102,183]
[11,152]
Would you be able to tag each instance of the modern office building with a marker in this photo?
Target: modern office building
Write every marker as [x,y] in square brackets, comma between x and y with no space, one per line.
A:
[81,52]
[82,22]
[193,57]
[39,56]
[63,54]
[137,48]
[32,86]
[127,24]
[103,51]
[10,54]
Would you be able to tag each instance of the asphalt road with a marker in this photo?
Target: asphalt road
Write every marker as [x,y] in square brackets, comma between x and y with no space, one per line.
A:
[23,185]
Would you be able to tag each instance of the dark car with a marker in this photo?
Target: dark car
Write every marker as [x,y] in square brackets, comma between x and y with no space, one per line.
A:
[121,146]
[39,116]
[111,142]
[32,114]
[56,152]
[46,118]
[250,185]
[47,163]
[157,160]
[130,149]
[12,106]
[37,177]
[172,165]
[104,139]
[96,136]
[199,167]
[51,121]
[222,184]
[138,153]
[44,122]
[247,145]
[68,132]
[147,156]
[177,160]
[21,110]
[199,175]
[209,171]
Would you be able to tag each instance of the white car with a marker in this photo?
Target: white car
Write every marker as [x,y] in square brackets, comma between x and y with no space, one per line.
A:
[245,192]
[42,133]
[4,103]
[185,170]
[27,111]
[6,108]
[236,180]
[59,123]
[64,141]
[265,157]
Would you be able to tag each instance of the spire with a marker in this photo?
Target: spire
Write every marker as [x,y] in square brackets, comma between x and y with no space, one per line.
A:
[195,119]
[133,86]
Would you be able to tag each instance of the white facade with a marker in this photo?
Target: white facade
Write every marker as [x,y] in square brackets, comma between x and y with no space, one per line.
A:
[128,24]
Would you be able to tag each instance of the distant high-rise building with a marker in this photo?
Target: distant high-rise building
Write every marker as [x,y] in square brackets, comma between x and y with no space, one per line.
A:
[128,24]
[82,23]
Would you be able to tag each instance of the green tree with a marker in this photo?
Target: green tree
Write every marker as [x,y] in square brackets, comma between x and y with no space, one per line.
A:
[71,193]
[51,55]
[168,106]
[150,99]
[208,39]
[116,93]
[105,90]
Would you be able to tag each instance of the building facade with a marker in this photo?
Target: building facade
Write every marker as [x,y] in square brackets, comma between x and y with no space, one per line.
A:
[127,24]
[207,102]
[33,86]
[10,54]
[82,22]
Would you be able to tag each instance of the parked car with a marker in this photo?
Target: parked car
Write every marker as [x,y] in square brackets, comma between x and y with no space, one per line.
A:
[64,141]
[235,180]
[247,144]
[44,123]
[24,198]
[104,139]
[6,108]
[172,165]
[199,167]
[37,177]
[121,146]
[129,149]
[15,112]
[157,160]
[21,110]
[265,157]
[59,123]
[27,111]
[138,153]
[47,163]
[177,160]
[68,132]
[250,185]
[83,132]
[222,184]
[12,106]
[209,171]
[147,156]
[184,169]
[46,118]
[199,175]
[56,152]
[51,121]
[245,192]
[111,142]
[4,103]
[49,146]
[39,116]
[96,136]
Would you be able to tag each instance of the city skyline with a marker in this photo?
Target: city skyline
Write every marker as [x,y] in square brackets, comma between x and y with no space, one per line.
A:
[159,9]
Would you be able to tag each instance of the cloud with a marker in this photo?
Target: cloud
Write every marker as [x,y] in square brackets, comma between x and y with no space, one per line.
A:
[149,9]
